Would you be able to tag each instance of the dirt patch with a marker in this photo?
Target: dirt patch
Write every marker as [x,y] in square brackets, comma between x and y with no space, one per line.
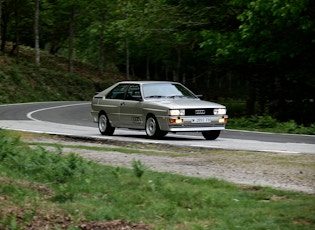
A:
[288,171]
[43,218]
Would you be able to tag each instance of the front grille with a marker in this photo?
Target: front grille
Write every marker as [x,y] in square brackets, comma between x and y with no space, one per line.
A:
[198,112]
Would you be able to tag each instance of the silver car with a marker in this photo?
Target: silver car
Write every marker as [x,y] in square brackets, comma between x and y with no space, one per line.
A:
[158,107]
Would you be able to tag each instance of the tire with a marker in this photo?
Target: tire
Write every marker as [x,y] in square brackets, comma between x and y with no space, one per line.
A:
[211,135]
[104,126]
[152,128]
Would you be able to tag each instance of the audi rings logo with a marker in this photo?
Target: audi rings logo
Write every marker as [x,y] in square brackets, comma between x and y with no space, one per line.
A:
[200,111]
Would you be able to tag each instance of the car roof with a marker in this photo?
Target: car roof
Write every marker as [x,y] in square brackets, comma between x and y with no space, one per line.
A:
[145,82]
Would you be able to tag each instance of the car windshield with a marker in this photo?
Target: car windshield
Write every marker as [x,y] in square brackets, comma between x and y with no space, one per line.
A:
[166,90]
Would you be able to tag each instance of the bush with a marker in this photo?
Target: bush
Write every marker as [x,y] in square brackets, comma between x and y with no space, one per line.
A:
[269,124]
[41,164]
[264,122]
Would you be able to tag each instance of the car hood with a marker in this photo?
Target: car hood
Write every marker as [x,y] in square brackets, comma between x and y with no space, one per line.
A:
[185,103]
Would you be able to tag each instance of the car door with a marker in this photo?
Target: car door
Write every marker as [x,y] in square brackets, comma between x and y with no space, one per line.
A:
[113,102]
[131,115]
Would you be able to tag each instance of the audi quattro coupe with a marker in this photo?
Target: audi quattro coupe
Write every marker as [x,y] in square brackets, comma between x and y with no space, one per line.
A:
[158,107]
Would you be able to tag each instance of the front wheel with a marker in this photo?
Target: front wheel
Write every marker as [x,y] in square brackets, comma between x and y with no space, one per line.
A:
[211,135]
[152,128]
[104,126]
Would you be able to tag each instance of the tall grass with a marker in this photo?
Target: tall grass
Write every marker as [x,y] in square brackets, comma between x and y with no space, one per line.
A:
[85,191]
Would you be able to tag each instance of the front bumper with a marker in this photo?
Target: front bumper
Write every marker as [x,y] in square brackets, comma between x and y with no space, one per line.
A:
[193,123]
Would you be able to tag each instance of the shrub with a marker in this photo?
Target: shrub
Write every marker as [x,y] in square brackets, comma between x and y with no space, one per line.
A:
[41,164]
[269,124]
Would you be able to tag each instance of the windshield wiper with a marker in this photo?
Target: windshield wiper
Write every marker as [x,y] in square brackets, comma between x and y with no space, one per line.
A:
[155,96]
[179,96]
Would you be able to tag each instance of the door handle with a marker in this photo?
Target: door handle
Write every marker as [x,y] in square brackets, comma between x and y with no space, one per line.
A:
[122,103]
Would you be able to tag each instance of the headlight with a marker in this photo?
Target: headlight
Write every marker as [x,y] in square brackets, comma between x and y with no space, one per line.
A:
[219,111]
[177,112]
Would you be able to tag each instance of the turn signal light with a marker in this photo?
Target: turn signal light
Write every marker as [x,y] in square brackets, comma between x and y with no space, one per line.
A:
[176,120]
[223,120]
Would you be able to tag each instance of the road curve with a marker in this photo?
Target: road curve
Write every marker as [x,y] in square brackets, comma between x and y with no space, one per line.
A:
[73,118]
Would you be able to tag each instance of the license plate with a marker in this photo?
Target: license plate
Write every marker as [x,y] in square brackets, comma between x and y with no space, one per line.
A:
[201,120]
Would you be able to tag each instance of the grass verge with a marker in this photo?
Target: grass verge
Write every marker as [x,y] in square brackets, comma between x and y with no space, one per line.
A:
[269,124]
[39,188]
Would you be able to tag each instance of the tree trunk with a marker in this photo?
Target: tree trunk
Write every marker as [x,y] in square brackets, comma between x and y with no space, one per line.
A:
[251,96]
[102,53]
[36,30]
[1,1]
[179,63]
[4,32]
[16,44]
[127,59]
[71,37]
[3,26]
[148,67]
[166,72]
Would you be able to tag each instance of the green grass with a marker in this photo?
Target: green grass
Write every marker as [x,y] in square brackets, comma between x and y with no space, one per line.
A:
[269,124]
[21,81]
[38,183]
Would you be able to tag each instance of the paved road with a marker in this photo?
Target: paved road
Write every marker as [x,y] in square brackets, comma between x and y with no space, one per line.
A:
[73,118]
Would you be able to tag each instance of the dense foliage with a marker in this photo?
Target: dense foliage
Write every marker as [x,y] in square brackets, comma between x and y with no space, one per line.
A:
[269,124]
[259,51]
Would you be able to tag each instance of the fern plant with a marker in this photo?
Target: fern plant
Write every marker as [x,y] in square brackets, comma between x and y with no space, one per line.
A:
[138,168]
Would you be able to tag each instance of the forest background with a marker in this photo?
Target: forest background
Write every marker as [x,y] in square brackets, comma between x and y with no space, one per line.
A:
[257,53]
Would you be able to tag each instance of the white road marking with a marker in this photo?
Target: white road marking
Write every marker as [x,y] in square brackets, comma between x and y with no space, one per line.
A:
[39,126]
[279,151]
[29,115]
[123,135]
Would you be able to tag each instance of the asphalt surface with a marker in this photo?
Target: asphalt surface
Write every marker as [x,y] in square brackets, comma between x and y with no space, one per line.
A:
[73,118]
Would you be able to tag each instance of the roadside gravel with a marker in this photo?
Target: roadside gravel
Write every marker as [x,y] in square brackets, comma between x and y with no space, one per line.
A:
[287,171]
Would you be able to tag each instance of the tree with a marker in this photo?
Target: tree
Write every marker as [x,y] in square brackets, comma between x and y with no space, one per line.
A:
[71,36]
[54,25]
[1,1]
[36,31]
[100,13]
[258,50]
[272,48]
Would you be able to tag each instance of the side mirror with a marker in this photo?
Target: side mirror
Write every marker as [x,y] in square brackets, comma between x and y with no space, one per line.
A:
[137,98]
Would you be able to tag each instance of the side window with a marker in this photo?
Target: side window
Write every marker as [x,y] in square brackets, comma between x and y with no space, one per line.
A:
[132,92]
[118,92]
